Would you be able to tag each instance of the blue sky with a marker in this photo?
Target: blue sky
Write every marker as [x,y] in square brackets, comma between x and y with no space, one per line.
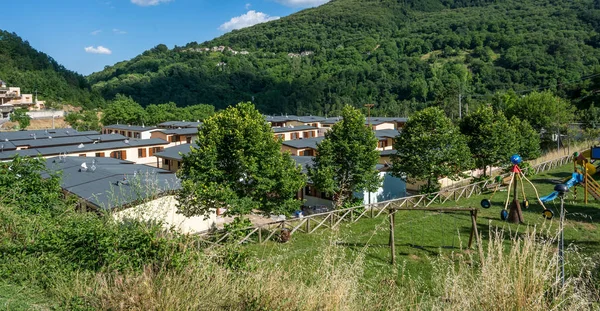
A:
[86,35]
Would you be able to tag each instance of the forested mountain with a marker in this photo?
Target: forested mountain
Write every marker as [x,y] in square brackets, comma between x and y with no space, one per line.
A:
[23,66]
[400,54]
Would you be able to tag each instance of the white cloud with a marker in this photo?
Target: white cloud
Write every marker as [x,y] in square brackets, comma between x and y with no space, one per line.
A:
[119,31]
[248,5]
[246,20]
[98,50]
[149,2]
[95,32]
[302,3]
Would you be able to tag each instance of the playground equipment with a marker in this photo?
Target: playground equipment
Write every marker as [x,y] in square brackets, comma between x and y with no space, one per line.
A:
[583,170]
[515,214]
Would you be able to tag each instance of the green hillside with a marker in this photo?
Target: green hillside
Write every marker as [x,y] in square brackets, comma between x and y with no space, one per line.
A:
[23,66]
[401,55]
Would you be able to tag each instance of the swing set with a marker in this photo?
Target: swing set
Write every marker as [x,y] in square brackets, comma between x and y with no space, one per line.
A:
[473,235]
[515,215]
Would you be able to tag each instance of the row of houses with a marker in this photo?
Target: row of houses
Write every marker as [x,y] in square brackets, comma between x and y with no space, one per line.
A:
[100,168]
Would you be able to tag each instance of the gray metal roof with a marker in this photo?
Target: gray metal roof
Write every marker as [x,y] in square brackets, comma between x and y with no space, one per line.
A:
[121,144]
[303,143]
[286,129]
[113,183]
[8,155]
[7,145]
[135,128]
[182,124]
[181,131]
[304,119]
[175,153]
[43,134]
[385,153]
[62,141]
[304,162]
[386,133]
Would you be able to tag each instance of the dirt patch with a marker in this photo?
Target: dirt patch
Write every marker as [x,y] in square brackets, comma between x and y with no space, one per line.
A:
[414,257]
[39,124]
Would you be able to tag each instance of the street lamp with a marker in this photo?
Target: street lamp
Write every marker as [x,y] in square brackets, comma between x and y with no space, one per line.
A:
[561,189]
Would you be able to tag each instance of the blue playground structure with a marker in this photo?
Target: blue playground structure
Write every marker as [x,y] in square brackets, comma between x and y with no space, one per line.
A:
[575,179]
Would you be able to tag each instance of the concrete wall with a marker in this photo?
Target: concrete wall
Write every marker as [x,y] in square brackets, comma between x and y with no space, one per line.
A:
[384,126]
[46,114]
[164,209]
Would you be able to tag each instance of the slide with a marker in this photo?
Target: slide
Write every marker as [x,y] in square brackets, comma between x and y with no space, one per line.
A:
[575,179]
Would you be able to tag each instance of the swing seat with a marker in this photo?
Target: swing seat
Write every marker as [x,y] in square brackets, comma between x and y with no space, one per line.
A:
[548,214]
[485,203]
[525,204]
[504,214]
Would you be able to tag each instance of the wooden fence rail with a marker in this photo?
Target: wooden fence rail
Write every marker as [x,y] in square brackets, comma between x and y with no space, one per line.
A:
[332,219]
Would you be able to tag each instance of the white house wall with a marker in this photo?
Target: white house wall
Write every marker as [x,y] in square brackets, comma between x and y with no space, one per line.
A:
[391,188]
[164,209]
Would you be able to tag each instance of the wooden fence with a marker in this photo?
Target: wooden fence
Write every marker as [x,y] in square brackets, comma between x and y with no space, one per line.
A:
[332,219]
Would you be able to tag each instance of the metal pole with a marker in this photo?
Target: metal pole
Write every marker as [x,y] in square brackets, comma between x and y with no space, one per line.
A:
[459,106]
[561,242]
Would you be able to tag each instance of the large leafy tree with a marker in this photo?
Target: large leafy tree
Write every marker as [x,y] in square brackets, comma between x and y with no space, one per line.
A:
[20,116]
[346,158]
[542,110]
[239,165]
[429,147]
[86,120]
[528,139]
[124,110]
[490,136]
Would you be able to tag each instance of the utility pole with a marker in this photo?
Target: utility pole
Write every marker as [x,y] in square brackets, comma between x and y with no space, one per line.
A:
[460,106]
[369,106]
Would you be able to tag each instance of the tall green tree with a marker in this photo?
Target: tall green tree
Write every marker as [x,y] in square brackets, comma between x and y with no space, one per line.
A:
[491,138]
[542,110]
[528,139]
[346,158]
[238,165]
[20,116]
[86,120]
[430,147]
[124,110]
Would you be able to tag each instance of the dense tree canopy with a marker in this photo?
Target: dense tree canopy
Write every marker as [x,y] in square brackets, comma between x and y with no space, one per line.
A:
[430,147]
[346,158]
[402,55]
[23,66]
[20,116]
[491,138]
[124,110]
[238,165]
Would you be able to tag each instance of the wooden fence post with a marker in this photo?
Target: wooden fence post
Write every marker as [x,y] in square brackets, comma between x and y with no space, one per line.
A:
[392,240]
[260,235]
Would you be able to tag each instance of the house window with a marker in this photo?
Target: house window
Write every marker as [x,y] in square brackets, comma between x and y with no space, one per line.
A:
[172,139]
[188,139]
[83,155]
[141,152]
[119,154]
[137,135]
[306,134]
[307,190]
[166,161]
[99,154]
[307,153]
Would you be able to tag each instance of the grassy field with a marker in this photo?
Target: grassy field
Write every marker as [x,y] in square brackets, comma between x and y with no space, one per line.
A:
[421,236]
[349,268]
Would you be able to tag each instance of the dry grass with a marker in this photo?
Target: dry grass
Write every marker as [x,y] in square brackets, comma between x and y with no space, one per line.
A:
[522,277]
